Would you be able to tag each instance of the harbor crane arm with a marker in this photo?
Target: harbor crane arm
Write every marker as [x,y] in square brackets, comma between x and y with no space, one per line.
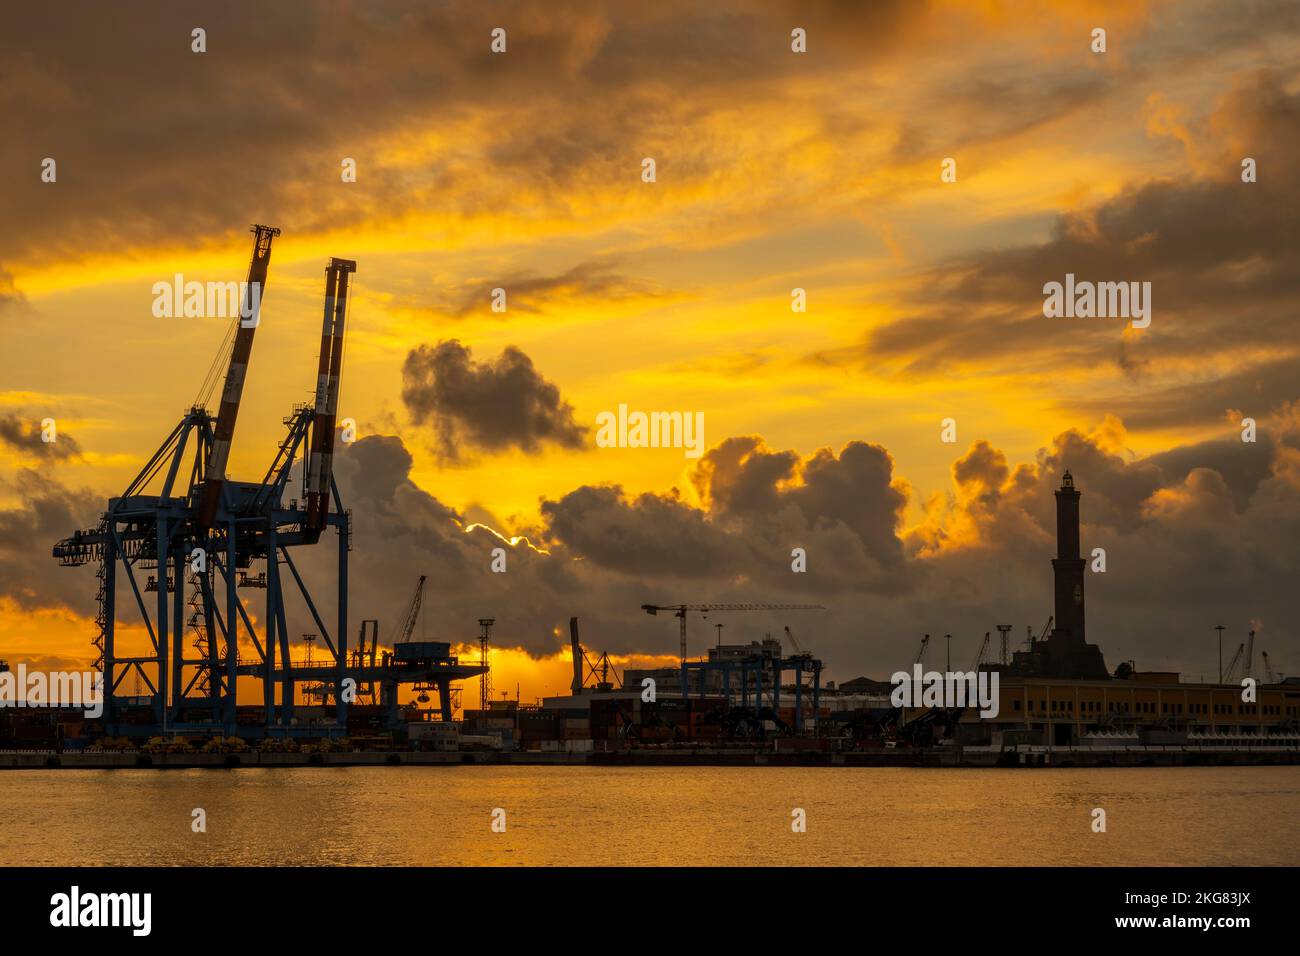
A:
[214,471]
[979,658]
[1268,670]
[412,613]
[329,373]
[793,643]
[1232,664]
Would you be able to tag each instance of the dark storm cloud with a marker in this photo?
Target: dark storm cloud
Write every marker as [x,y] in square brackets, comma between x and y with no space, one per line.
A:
[1220,255]
[532,293]
[24,436]
[1254,391]
[1242,467]
[401,531]
[853,493]
[1173,528]
[1196,536]
[46,512]
[9,294]
[843,508]
[488,406]
[650,534]
[156,144]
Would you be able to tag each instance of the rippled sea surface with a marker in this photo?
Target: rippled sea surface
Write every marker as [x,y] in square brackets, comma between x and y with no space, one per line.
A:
[652,815]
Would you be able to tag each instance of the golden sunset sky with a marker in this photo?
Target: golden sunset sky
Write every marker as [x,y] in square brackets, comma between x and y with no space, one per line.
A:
[775,170]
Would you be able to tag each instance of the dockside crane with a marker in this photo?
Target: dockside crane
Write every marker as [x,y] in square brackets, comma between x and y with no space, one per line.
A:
[1229,673]
[328,376]
[920,654]
[200,535]
[979,658]
[1273,678]
[798,648]
[679,611]
[214,472]
[412,615]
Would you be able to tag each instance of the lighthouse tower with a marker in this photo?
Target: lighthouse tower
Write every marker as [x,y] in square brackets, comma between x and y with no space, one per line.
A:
[1065,653]
[1068,565]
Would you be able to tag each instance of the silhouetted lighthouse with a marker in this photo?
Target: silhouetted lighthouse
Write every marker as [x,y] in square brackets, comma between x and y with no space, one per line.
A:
[1065,653]
[1068,565]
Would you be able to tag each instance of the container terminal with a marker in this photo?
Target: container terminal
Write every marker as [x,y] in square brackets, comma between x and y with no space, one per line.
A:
[183,540]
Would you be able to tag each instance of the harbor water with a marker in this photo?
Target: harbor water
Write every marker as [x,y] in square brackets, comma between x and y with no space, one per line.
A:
[673,816]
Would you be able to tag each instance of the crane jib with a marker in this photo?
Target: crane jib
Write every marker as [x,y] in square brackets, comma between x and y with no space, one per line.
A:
[223,434]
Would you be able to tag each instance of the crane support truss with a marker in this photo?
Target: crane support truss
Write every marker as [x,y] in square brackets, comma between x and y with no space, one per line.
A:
[202,534]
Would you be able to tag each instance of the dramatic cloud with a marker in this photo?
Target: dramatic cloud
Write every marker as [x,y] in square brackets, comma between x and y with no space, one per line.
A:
[9,294]
[284,91]
[1195,537]
[1213,248]
[1174,534]
[775,171]
[489,406]
[45,511]
[531,293]
[25,437]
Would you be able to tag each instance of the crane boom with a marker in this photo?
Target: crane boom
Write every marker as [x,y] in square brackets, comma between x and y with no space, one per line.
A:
[679,611]
[1232,664]
[320,466]
[413,612]
[920,654]
[1273,678]
[214,472]
[793,643]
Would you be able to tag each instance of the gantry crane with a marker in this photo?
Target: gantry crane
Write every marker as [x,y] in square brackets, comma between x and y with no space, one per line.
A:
[184,519]
[679,611]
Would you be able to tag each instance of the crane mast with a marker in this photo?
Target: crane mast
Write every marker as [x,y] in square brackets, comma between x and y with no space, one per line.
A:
[320,464]
[214,471]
